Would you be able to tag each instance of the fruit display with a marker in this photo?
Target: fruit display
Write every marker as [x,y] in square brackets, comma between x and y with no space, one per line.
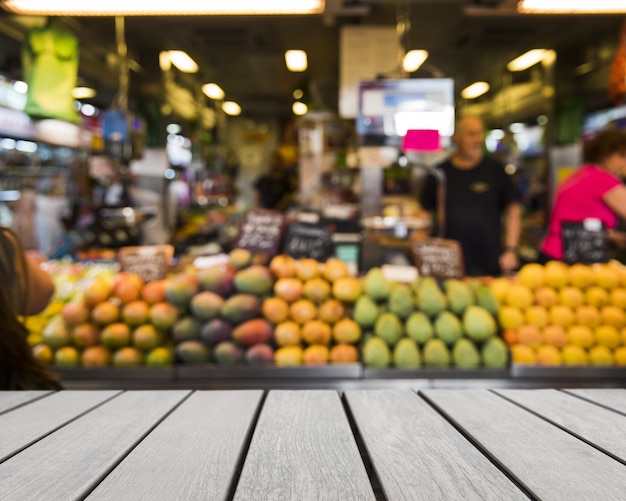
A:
[428,324]
[109,319]
[287,312]
[565,315]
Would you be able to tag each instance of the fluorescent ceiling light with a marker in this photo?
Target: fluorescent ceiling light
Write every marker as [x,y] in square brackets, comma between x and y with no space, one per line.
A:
[571,6]
[299,108]
[474,90]
[296,60]
[231,108]
[213,91]
[413,60]
[182,61]
[526,60]
[83,92]
[161,7]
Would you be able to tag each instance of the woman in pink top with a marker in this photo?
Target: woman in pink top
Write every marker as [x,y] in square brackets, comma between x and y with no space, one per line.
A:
[593,191]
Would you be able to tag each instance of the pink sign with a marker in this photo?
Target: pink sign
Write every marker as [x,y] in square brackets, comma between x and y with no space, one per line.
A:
[421,140]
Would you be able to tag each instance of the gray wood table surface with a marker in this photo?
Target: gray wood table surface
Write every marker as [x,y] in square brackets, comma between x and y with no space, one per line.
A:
[313,445]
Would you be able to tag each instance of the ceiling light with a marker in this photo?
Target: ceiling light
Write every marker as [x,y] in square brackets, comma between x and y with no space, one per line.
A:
[298,93]
[165,63]
[571,7]
[83,92]
[161,7]
[299,108]
[413,60]
[231,108]
[526,60]
[474,90]
[182,61]
[296,60]
[213,91]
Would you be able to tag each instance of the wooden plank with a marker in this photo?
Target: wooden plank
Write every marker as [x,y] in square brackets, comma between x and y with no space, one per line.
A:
[549,462]
[193,454]
[613,398]
[603,428]
[69,463]
[303,448]
[418,455]
[26,425]
[11,399]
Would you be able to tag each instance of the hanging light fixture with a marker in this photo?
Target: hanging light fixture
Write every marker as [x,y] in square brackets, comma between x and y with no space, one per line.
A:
[161,7]
[526,60]
[231,108]
[299,108]
[183,61]
[571,6]
[413,60]
[213,91]
[474,90]
[296,60]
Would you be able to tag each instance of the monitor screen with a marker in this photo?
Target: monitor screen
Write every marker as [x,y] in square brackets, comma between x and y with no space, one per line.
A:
[388,108]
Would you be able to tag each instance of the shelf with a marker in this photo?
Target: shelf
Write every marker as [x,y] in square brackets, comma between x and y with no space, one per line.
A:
[262,371]
[575,373]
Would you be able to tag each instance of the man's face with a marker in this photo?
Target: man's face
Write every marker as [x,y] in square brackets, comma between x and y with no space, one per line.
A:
[469,138]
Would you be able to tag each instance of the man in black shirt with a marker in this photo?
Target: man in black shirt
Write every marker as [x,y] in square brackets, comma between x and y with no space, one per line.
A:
[480,198]
[274,190]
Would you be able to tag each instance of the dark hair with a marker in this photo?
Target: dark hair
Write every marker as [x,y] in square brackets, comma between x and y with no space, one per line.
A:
[19,370]
[604,144]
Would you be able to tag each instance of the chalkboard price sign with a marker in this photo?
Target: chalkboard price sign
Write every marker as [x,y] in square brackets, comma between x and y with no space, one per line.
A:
[261,231]
[312,240]
[150,262]
[438,257]
[585,242]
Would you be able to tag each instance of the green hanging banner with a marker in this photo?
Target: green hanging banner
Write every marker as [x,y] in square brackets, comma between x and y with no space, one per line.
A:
[50,65]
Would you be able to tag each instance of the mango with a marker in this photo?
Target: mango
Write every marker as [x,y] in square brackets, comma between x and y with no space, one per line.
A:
[448,327]
[486,299]
[228,353]
[561,315]
[127,357]
[315,354]
[346,331]
[529,335]
[494,353]
[163,315]
[365,311]
[287,333]
[161,356]
[522,354]
[335,268]
[478,324]
[257,330]
[537,316]
[607,335]
[601,355]
[283,265]
[343,354]
[288,356]
[429,297]
[401,300]
[331,311]
[519,296]
[580,335]
[181,288]
[316,289]
[347,289]
[612,315]
[549,355]
[587,315]
[241,307]
[218,279]
[459,295]
[255,279]
[531,275]
[389,328]
[186,328]
[66,356]
[605,277]
[376,285]
[215,331]
[574,355]
[240,258]
[115,335]
[580,275]
[556,274]
[95,356]
[555,335]
[259,353]
[288,288]
[571,296]
[275,309]
[546,297]
[206,305]
[192,352]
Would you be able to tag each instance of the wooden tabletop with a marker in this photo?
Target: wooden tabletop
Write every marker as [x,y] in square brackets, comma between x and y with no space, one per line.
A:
[313,445]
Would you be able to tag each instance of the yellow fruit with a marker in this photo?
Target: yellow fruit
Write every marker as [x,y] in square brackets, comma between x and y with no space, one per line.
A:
[510,317]
[302,311]
[556,274]
[580,335]
[307,268]
[609,336]
[620,355]
[529,335]
[548,355]
[601,355]
[587,315]
[531,275]
[334,268]
[316,332]
[316,289]
[622,336]
[612,315]
[574,355]
[537,316]
[554,335]
[519,296]
[287,334]
[605,277]
[596,296]
[346,331]
[275,309]
[316,355]
[522,354]
[580,275]
[288,356]
[499,286]
[546,296]
[561,315]
[571,296]
[618,297]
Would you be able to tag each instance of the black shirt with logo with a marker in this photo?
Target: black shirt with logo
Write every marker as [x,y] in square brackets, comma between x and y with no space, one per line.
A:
[475,201]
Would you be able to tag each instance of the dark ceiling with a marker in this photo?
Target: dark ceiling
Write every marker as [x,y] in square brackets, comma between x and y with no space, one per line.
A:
[467,40]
